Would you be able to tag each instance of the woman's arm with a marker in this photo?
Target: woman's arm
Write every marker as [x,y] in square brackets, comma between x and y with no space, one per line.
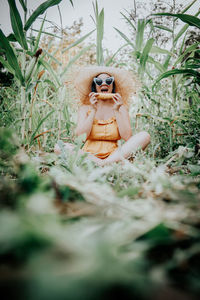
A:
[122,117]
[123,122]
[84,122]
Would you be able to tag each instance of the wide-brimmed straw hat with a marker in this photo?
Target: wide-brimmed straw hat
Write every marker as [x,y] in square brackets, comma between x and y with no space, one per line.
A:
[126,83]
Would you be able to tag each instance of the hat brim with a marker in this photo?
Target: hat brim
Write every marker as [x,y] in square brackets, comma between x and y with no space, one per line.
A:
[126,83]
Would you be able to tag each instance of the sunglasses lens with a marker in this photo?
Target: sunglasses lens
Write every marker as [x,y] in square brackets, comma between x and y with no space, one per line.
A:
[109,80]
[98,81]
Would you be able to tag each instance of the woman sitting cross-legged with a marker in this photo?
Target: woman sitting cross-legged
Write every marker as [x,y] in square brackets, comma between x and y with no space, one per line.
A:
[103,114]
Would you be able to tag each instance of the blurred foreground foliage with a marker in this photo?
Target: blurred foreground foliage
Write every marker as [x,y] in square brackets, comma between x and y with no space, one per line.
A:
[70,230]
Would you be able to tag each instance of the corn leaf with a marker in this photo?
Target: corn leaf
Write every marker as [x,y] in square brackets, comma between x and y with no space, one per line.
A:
[71,2]
[189,49]
[11,57]
[158,65]
[17,25]
[156,49]
[129,21]
[163,28]
[125,38]
[145,52]
[78,41]
[39,125]
[70,63]
[11,38]
[188,72]
[39,11]
[110,60]
[191,20]
[179,34]
[140,34]
[6,65]
[52,57]
[23,5]
[50,70]
[48,33]
[188,7]
[39,36]
[100,32]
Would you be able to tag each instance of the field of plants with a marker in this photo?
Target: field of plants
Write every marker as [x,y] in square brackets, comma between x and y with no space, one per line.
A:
[70,229]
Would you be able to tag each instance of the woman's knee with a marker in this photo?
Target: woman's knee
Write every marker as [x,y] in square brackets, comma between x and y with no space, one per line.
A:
[57,149]
[146,136]
[67,146]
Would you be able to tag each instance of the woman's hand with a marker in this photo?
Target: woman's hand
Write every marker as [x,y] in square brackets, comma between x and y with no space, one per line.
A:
[118,101]
[93,100]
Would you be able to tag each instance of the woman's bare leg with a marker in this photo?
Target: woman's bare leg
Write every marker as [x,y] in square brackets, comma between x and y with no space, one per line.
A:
[140,140]
[71,147]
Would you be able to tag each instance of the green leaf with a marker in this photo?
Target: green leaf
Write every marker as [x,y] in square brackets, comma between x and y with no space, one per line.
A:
[23,5]
[145,52]
[180,33]
[140,34]
[39,36]
[6,65]
[39,11]
[110,60]
[71,3]
[130,192]
[163,28]
[158,234]
[125,38]
[156,49]
[100,32]
[158,65]
[17,25]
[51,83]
[11,57]
[189,49]
[129,21]
[188,7]
[78,41]
[39,125]
[188,72]
[11,38]
[48,33]
[50,70]
[75,58]
[52,57]
[191,20]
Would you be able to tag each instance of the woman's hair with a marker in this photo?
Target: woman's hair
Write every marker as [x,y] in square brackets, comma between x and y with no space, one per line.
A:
[93,86]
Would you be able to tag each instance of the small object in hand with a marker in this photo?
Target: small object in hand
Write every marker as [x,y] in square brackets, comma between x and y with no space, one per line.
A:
[105,96]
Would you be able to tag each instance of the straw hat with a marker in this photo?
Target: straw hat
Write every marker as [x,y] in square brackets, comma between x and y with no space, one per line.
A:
[126,83]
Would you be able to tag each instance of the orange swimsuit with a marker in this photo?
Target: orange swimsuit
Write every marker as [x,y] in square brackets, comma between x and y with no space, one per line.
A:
[103,138]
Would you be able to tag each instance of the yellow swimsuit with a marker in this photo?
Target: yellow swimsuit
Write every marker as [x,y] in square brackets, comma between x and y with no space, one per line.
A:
[103,138]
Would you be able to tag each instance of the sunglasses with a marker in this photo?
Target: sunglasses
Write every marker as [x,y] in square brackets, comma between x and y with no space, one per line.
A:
[108,80]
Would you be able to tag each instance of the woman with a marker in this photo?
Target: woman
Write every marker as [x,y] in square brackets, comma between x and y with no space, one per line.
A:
[106,121]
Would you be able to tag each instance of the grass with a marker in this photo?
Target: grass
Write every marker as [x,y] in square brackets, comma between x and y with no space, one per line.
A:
[91,232]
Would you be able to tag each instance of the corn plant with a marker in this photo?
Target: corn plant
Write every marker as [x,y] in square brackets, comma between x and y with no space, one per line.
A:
[28,64]
[99,23]
[160,102]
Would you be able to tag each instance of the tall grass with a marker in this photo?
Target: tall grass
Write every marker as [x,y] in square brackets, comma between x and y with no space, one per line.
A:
[170,82]
[28,64]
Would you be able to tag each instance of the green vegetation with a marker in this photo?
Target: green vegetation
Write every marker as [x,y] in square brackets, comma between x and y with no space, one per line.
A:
[70,229]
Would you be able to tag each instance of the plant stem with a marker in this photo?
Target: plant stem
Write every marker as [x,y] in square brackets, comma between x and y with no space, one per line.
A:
[23,106]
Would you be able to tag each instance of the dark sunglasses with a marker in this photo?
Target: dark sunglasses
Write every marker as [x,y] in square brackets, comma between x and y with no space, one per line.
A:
[108,80]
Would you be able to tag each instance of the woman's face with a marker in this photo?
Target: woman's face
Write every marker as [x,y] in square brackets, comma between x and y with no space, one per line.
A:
[104,88]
